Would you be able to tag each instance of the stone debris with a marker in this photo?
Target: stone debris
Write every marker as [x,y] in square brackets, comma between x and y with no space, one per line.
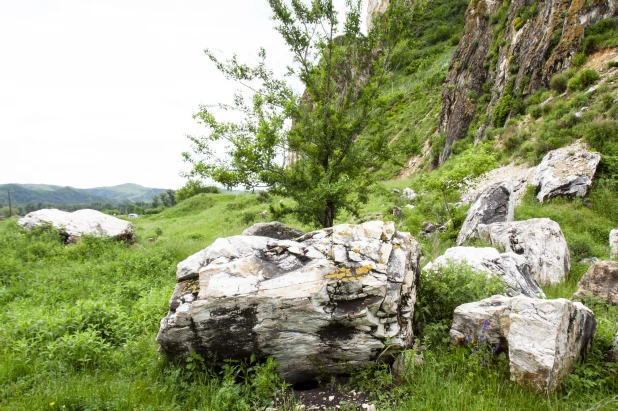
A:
[543,338]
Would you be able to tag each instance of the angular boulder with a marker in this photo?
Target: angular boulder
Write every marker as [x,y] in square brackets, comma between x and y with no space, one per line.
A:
[539,240]
[274,229]
[567,171]
[543,338]
[332,296]
[601,281]
[511,267]
[613,244]
[494,205]
[74,225]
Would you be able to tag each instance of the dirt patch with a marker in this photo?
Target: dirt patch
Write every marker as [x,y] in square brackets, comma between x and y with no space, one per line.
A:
[599,60]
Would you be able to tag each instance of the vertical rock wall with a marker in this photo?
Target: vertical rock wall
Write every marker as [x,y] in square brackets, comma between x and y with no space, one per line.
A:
[510,48]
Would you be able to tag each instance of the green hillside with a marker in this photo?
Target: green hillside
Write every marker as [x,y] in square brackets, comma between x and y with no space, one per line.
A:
[126,192]
[22,194]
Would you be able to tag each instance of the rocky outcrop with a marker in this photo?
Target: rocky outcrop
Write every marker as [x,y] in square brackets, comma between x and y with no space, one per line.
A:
[601,281]
[539,240]
[567,171]
[274,229]
[72,226]
[543,338]
[495,205]
[511,267]
[375,8]
[331,296]
[507,51]
[613,244]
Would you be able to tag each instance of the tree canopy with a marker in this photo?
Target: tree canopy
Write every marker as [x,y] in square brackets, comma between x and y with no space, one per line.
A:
[309,146]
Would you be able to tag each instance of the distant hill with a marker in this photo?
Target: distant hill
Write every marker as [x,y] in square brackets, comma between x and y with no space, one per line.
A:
[126,192]
[22,194]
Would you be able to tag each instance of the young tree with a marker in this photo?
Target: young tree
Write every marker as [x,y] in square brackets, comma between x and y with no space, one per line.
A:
[322,133]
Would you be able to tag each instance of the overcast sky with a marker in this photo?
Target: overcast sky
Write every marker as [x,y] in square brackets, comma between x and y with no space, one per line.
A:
[102,92]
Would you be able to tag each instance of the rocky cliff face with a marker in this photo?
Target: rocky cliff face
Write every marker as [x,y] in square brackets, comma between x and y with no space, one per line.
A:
[374,8]
[508,50]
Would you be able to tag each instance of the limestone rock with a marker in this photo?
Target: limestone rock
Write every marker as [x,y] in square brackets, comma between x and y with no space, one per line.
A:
[613,243]
[375,8]
[601,281]
[495,205]
[74,225]
[511,267]
[329,296]
[539,240]
[567,171]
[274,229]
[428,227]
[543,338]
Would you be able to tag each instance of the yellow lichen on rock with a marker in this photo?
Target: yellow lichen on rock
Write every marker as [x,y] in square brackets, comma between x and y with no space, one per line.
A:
[349,274]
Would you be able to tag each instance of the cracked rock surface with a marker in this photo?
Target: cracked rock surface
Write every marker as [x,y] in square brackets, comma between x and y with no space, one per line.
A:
[601,281]
[78,223]
[494,205]
[511,267]
[567,171]
[539,240]
[325,303]
[543,338]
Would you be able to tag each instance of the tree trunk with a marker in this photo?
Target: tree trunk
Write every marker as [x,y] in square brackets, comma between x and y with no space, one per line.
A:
[329,215]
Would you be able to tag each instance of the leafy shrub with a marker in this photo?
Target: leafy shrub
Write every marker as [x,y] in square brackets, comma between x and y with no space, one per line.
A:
[84,349]
[602,136]
[559,83]
[588,77]
[574,84]
[579,60]
[446,288]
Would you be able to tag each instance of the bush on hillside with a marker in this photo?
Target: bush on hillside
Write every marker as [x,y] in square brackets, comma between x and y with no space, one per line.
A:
[559,83]
[193,188]
[443,290]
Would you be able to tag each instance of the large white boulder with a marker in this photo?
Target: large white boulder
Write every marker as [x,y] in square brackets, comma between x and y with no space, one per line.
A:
[375,8]
[494,205]
[567,171]
[79,223]
[511,267]
[613,243]
[332,296]
[539,240]
[543,338]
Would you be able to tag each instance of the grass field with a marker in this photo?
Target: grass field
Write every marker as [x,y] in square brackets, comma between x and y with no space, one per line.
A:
[78,328]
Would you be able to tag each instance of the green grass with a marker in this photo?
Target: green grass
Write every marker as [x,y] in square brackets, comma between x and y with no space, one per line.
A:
[79,322]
